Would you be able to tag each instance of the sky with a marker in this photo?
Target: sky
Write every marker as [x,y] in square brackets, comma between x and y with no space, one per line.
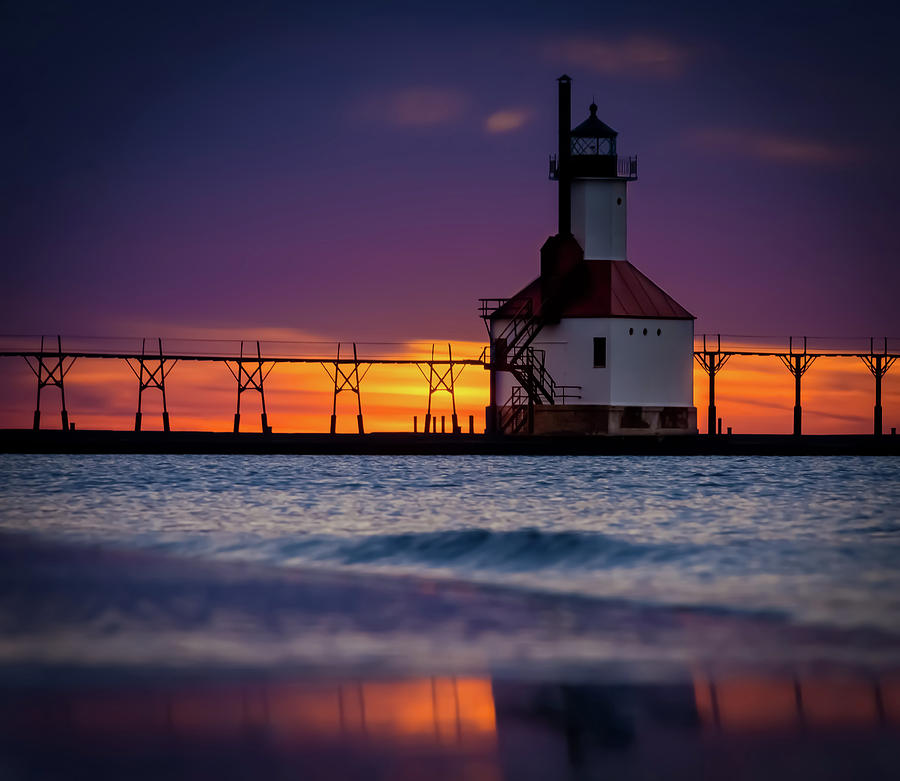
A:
[366,172]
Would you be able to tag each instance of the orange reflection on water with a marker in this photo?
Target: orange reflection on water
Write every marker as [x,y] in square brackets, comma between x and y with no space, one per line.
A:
[746,704]
[753,703]
[838,702]
[441,711]
[449,709]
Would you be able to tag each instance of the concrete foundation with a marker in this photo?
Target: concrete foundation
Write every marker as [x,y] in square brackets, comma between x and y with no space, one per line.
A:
[602,419]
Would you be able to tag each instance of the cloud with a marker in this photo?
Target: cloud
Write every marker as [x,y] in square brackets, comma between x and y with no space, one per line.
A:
[415,106]
[644,56]
[506,120]
[771,147]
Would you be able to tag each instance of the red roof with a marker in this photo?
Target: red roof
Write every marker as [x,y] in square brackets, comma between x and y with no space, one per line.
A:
[606,288]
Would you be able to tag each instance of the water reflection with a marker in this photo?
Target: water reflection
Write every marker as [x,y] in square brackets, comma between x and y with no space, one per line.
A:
[760,702]
[830,725]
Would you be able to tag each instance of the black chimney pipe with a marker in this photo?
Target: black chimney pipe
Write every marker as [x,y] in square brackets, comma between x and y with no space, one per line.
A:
[565,153]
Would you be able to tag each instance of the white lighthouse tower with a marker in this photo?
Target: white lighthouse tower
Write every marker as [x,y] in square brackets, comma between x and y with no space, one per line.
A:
[592,346]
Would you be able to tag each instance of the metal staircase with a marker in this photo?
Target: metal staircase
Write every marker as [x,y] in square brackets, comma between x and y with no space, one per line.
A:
[515,417]
[511,351]
[520,331]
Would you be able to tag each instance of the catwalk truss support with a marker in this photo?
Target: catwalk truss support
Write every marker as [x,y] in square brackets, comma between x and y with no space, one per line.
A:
[797,364]
[712,361]
[151,372]
[250,379]
[346,376]
[442,377]
[50,369]
[878,364]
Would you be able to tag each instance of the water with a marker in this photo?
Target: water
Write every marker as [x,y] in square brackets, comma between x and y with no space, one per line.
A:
[449,617]
[815,541]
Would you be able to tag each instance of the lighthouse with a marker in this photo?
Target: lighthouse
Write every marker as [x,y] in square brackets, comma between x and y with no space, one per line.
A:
[592,346]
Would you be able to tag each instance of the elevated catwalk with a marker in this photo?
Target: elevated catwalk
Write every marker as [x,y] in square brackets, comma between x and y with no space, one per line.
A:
[250,364]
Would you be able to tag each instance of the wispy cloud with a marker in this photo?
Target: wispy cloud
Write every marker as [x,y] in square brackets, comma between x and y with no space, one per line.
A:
[773,147]
[422,106]
[644,56]
[506,120]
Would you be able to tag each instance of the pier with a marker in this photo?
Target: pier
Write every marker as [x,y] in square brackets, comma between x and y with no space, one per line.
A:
[347,364]
[461,444]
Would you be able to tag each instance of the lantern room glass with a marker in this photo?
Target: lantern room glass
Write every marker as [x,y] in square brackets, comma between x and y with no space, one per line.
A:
[593,146]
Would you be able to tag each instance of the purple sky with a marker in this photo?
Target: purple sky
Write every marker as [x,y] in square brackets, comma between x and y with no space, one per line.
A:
[368,176]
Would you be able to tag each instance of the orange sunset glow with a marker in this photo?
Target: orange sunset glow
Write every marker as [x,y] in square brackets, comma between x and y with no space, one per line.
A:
[753,394]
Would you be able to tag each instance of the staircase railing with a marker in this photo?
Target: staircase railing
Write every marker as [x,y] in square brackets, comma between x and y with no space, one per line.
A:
[522,326]
[512,352]
[532,374]
[516,416]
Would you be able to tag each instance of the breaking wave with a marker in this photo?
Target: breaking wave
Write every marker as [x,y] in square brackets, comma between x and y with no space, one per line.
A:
[521,550]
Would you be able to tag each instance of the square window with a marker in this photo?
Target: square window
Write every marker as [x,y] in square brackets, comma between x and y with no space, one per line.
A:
[599,352]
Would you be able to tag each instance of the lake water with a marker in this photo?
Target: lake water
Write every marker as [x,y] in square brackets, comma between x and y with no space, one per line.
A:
[449,617]
[813,540]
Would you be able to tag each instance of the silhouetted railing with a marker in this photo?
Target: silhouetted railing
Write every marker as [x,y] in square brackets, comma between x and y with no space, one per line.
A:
[626,168]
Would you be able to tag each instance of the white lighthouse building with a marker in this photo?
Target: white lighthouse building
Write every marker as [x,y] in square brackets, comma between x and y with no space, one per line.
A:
[592,346]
